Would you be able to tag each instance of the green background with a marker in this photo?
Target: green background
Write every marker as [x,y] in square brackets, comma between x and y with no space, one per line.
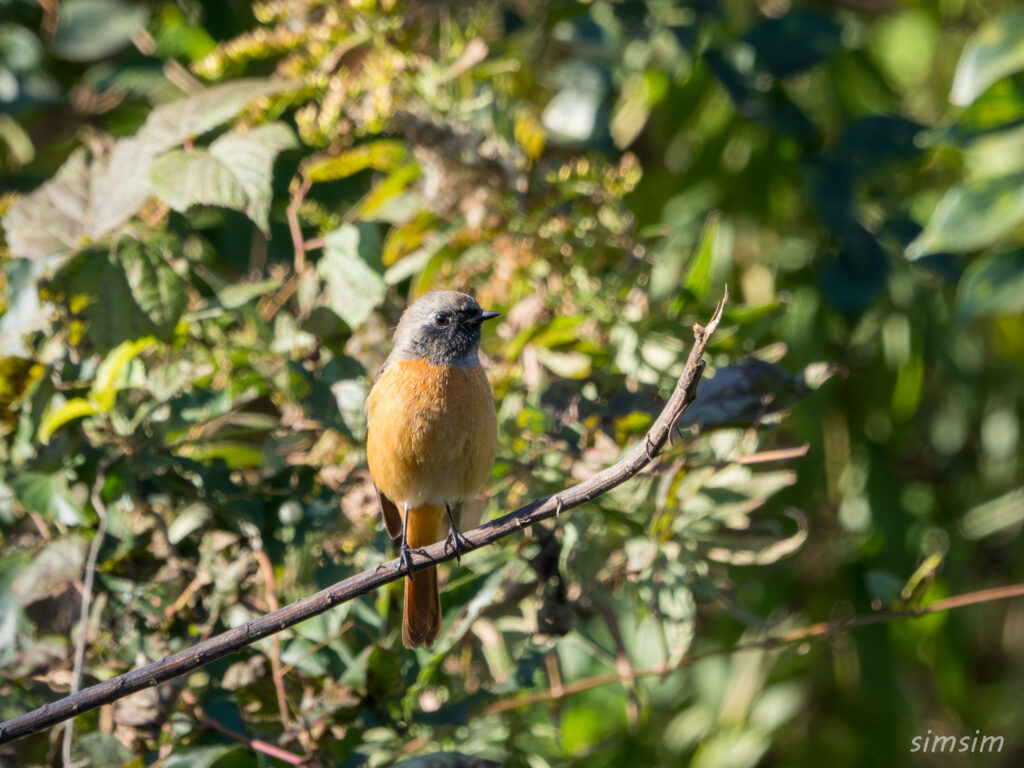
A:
[213,215]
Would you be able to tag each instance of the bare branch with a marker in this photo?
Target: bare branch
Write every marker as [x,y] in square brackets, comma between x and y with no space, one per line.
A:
[235,639]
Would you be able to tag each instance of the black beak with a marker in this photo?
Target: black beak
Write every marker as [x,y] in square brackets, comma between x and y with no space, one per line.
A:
[488,315]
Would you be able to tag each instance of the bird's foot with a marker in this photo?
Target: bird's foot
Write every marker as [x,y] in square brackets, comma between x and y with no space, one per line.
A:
[456,543]
[405,559]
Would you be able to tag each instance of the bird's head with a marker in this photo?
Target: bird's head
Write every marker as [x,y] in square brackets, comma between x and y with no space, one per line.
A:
[443,327]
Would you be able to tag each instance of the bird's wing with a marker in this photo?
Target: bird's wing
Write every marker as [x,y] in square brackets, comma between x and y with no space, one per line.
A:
[392,517]
[388,509]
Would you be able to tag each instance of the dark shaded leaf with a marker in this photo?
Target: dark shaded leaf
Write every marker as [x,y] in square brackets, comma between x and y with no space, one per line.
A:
[794,42]
[92,29]
[752,391]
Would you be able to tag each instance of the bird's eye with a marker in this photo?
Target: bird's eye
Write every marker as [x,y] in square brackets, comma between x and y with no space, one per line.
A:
[441,319]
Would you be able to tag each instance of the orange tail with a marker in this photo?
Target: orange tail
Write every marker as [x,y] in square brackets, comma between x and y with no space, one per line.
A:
[421,623]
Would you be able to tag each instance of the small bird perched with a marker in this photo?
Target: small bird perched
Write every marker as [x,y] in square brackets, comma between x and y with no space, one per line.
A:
[431,438]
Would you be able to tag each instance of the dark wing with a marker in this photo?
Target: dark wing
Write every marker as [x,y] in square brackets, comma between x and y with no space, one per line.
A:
[392,517]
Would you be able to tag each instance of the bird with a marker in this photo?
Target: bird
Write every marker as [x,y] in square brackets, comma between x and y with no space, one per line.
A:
[432,436]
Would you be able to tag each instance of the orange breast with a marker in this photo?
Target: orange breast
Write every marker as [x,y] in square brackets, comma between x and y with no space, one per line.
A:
[432,432]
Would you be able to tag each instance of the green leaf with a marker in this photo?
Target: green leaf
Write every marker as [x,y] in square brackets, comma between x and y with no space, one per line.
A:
[51,221]
[10,611]
[972,215]
[350,396]
[54,567]
[16,375]
[994,51]
[122,182]
[233,453]
[156,288]
[753,390]
[89,199]
[133,277]
[75,408]
[39,492]
[201,757]
[387,202]
[568,365]
[383,676]
[98,748]
[382,155]
[239,294]
[354,289]
[992,286]
[698,274]
[993,516]
[89,30]
[171,124]
[235,172]
[637,97]
[110,375]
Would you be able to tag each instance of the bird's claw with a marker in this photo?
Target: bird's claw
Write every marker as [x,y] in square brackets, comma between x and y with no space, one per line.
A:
[405,559]
[457,543]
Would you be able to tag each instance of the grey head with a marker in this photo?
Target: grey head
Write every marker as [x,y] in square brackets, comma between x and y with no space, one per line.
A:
[442,327]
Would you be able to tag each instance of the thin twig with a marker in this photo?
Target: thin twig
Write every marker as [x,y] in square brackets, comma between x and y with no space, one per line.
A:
[780,454]
[239,637]
[83,618]
[802,634]
[294,227]
[275,655]
[257,745]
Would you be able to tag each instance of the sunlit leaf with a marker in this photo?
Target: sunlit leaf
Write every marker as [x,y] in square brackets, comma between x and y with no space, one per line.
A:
[405,238]
[382,155]
[994,51]
[570,117]
[16,376]
[972,215]
[238,294]
[350,396]
[75,408]
[170,124]
[384,202]
[234,454]
[56,566]
[354,289]
[529,133]
[638,96]
[697,279]
[998,514]
[110,375]
[235,172]
[992,286]
[52,221]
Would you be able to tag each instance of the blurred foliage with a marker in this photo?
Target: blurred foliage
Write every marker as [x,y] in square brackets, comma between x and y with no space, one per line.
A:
[214,212]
